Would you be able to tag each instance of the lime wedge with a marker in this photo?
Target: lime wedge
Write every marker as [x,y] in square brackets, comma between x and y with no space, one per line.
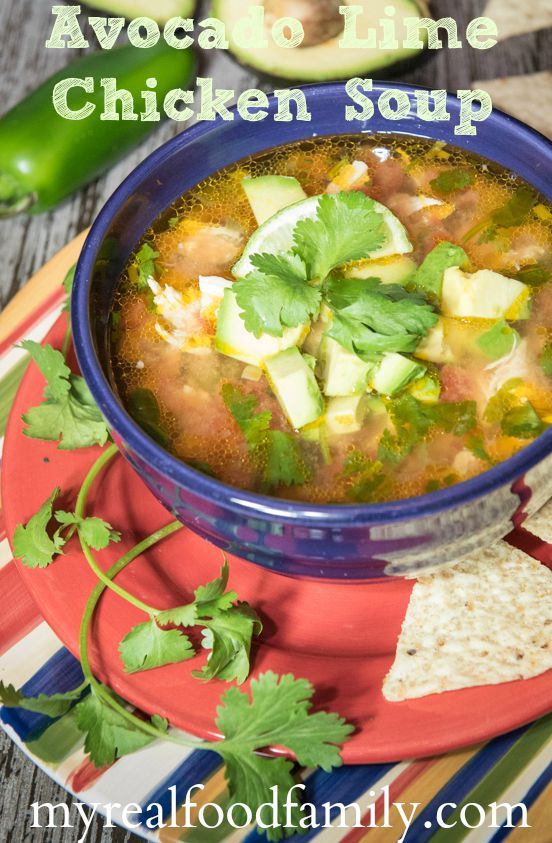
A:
[276,234]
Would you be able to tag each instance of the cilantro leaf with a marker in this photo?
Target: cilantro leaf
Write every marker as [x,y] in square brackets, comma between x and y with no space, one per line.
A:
[368,476]
[284,462]
[387,311]
[451,180]
[278,713]
[32,543]
[147,646]
[476,445]
[68,287]
[95,531]
[228,635]
[208,598]
[534,275]
[515,210]
[108,734]
[228,629]
[428,278]
[347,228]
[54,705]
[366,343]
[277,295]
[278,453]
[523,422]
[504,400]
[545,360]
[145,265]
[413,420]
[68,412]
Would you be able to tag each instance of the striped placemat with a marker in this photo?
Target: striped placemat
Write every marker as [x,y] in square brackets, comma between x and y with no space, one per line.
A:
[514,768]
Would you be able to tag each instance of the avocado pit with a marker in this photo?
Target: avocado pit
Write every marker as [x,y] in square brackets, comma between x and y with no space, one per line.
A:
[320,19]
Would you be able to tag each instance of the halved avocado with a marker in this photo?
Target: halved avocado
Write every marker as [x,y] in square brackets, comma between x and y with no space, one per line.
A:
[324,60]
[160,11]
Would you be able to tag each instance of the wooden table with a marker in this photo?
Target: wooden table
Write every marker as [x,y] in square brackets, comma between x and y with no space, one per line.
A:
[27,243]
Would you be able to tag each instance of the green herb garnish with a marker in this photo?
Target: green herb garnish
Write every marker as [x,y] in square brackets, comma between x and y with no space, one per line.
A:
[545,360]
[413,420]
[523,422]
[277,295]
[68,412]
[278,453]
[145,266]
[451,180]
[347,228]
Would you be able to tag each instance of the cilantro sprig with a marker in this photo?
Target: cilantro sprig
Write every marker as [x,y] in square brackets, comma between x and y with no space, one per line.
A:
[67,413]
[512,213]
[284,290]
[278,709]
[276,296]
[277,454]
[347,228]
[413,420]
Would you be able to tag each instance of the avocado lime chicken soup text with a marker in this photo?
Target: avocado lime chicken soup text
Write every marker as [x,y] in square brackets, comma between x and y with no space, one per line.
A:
[343,320]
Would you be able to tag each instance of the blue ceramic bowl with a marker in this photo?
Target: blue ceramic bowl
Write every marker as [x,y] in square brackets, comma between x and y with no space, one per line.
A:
[299,539]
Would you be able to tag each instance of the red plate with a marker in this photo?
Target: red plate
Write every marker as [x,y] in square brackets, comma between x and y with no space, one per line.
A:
[340,636]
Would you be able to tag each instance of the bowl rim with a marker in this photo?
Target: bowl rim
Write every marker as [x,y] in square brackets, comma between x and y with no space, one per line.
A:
[230,497]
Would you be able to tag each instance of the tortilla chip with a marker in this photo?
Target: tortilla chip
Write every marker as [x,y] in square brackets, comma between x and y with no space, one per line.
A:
[540,524]
[487,619]
[513,17]
[529,98]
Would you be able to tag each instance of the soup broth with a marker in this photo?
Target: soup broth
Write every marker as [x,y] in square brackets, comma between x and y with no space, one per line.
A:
[387,339]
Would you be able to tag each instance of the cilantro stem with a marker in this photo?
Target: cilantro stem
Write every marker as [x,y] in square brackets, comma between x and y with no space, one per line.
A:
[66,339]
[476,229]
[80,507]
[90,608]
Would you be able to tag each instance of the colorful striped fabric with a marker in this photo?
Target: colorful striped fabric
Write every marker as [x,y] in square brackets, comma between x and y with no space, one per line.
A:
[513,768]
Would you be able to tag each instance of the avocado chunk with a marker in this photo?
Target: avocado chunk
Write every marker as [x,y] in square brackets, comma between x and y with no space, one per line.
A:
[295,387]
[483,295]
[395,270]
[234,340]
[345,414]
[394,373]
[434,347]
[344,372]
[269,194]
[319,57]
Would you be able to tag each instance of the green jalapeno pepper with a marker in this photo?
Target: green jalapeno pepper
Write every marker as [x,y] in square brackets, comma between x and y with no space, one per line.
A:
[44,158]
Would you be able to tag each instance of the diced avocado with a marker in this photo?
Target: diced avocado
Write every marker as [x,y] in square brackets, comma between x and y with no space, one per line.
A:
[345,414]
[484,295]
[395,270]
[234,340]
[295,387]
[434,347]
[212,289]
[375,405]
[426,389]
[394,373]
[269,194]
[498,341]
[344,372]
